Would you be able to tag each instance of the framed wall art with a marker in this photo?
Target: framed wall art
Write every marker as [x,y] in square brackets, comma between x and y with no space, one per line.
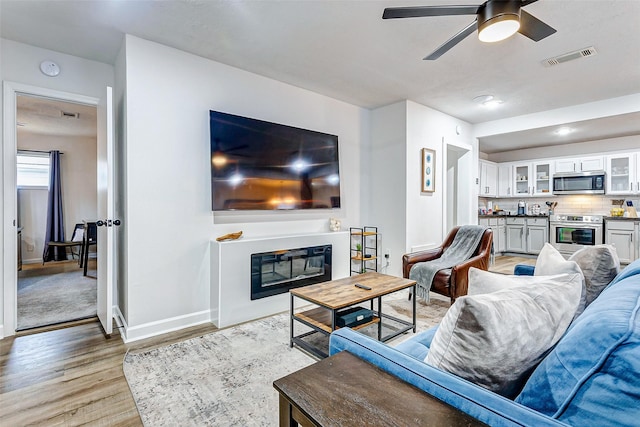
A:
[428,170]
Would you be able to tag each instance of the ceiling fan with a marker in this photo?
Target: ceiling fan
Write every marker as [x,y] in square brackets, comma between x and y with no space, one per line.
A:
[495,20]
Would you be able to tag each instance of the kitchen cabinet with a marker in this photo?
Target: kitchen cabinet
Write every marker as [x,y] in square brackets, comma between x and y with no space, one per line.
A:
[533,178]
[580,164]
[488,179]
[537,234]
[505,180]
[623,176]
[498,226]
[501,236]
[526,235]
[542,176]
[516,240]
[623,235]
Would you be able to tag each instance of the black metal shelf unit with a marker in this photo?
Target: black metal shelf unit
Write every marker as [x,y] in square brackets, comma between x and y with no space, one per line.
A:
[363,245]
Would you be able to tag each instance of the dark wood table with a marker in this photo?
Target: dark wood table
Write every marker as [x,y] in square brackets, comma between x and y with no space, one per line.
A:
[335,295]
[344,390]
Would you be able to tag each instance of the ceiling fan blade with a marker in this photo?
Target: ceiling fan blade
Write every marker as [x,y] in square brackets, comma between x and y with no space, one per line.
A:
[418,11]
[532,27]
[452,41]
[526,2]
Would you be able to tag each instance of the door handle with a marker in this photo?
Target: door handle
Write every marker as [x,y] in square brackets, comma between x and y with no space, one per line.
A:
[108,222]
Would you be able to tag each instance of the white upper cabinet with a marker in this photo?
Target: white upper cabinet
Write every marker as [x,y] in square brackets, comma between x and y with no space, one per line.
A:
[505,180]
[522,179]
[543,176]
[580,164]
[532,178]
[488,179]
[623,176]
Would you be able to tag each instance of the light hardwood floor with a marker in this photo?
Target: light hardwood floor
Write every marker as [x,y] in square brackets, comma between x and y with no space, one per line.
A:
[73,376]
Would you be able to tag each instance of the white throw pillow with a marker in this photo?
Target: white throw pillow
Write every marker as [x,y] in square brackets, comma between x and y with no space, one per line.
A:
[485,282]
[496,339]
[551,262]
[600,265]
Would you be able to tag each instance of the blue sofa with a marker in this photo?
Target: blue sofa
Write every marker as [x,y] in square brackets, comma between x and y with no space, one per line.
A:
[590,378]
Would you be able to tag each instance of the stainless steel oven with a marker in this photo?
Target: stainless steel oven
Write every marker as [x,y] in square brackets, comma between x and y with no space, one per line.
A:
[570,233]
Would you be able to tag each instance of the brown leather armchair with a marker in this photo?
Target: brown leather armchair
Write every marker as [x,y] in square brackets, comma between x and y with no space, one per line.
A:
[451,282]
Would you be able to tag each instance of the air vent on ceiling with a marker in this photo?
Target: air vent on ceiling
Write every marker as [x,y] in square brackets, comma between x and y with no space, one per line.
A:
[70,115]
[587,51]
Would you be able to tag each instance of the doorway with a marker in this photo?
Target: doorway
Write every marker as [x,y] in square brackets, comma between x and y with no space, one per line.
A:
[458,207]
[56,290]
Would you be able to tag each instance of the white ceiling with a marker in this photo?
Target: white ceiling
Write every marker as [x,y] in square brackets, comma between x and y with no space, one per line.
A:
[45,117]
[343,49]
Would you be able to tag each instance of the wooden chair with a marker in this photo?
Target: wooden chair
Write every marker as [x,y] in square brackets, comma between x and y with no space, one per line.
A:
[76,242]
[90,238]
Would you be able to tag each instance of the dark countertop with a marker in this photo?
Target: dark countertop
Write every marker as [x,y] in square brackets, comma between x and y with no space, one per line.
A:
[620,218]
[513,216]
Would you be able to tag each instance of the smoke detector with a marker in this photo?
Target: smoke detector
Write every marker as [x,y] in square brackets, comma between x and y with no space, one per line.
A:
[570,56]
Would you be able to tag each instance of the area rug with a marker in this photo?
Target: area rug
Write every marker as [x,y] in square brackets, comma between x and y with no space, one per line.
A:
[55,298]
[226,378]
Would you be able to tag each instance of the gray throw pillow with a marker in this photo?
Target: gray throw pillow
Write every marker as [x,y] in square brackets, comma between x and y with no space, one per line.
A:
[496,339]
[550,262]
[600,265]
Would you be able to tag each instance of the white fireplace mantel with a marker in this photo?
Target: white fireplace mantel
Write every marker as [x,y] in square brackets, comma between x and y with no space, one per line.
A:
[231,273]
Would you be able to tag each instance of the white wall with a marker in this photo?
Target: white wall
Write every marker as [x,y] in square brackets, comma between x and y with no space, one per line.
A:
[428,128]
[169,222]
[20,64]
[406,216]
[385,204]
[78,164]
[120,140]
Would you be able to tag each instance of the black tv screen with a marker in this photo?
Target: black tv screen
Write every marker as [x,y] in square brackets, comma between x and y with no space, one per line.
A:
[258,165]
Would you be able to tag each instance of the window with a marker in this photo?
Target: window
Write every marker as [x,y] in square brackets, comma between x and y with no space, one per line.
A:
[32,169]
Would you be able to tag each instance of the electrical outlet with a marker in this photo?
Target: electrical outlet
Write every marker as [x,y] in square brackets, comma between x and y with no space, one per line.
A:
[30,247]
[387,253]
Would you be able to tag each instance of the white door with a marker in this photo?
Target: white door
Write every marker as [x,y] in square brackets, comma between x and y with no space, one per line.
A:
[106,211]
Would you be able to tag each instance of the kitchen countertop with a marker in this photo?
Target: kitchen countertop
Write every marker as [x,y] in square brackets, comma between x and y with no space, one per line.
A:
[513,216]
[619,218]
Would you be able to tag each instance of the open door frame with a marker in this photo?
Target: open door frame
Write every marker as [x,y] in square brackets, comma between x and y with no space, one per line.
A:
[458,189]
[9,213]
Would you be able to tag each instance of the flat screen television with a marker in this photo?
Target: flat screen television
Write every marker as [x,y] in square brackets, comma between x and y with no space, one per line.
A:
[258,165]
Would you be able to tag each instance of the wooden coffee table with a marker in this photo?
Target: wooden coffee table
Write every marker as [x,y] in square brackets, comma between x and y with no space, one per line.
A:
[335,295]
[344,390]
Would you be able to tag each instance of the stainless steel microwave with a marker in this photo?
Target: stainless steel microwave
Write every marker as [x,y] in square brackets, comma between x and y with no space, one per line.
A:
[591,182]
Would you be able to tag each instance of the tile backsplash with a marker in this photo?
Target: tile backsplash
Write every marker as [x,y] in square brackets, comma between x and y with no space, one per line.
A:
[569,204]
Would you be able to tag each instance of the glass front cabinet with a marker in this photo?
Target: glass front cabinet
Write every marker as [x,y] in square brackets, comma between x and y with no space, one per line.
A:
[533,179]
[622,174]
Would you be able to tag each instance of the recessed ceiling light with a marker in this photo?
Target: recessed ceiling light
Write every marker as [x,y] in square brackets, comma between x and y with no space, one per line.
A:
[482,99]
[492,103]
[563,131]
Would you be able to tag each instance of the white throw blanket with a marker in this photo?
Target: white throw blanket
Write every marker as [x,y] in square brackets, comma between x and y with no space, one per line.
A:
[462,248]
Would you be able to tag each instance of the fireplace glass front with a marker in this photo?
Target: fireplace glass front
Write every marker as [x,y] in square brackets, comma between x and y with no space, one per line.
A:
[276,272]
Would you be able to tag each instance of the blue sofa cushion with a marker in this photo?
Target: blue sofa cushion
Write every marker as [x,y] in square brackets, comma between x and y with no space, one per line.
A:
[595,368]
[418,346]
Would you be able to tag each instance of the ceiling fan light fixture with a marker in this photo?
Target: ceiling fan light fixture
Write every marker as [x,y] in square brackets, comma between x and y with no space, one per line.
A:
[219,160]
[498,28]
[498,20]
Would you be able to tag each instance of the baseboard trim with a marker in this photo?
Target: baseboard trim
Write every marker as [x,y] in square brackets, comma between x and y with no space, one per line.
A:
[159,327]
